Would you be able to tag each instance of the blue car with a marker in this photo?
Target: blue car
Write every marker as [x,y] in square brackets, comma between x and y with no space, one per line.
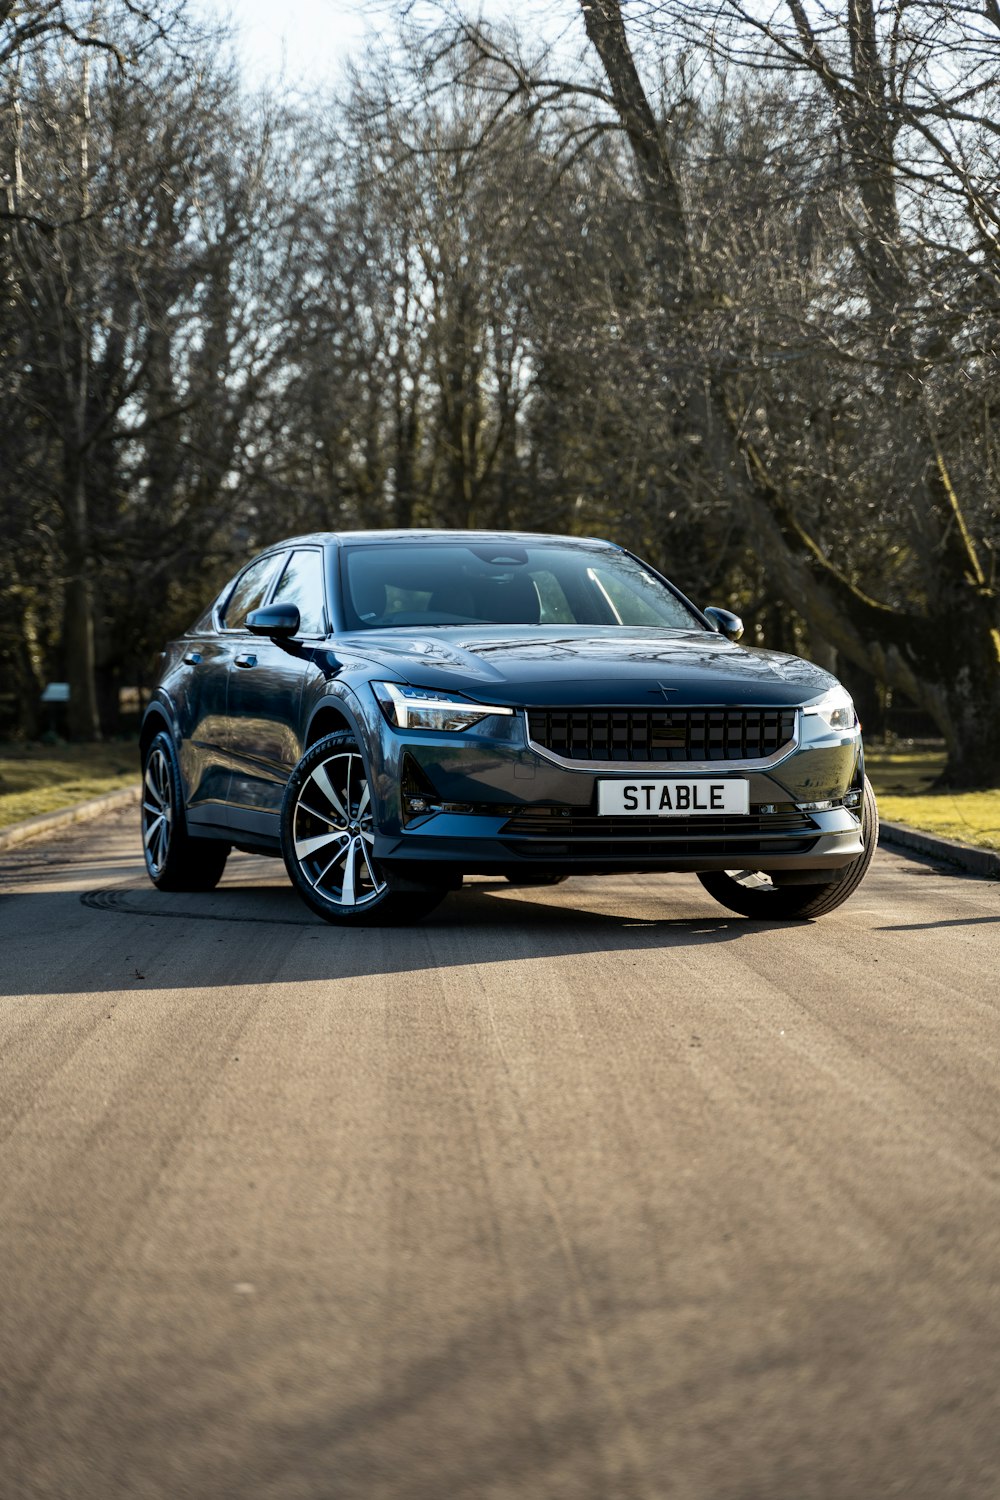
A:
[391,711]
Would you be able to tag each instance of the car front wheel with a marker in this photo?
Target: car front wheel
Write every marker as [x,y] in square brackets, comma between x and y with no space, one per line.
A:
[753,893]
[328,839]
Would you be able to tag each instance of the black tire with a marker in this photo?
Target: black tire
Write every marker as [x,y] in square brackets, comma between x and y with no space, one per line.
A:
[327,830]
[175,859]
[754,894]
[539,879]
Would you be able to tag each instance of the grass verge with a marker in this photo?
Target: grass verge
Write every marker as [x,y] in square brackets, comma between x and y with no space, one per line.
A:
[902,776]
[46,778]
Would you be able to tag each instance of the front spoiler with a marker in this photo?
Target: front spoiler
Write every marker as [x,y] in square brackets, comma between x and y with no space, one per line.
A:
[493,856]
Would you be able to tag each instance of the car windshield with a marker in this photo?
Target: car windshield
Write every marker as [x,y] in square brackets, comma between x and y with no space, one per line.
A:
[419,584]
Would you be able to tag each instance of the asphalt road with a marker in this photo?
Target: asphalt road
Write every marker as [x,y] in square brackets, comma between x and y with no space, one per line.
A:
[588,1194]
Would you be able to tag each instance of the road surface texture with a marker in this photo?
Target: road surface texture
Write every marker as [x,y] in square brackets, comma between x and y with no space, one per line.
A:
[587,1194]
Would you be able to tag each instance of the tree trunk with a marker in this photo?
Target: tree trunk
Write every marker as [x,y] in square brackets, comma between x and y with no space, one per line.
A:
[83,719]
[25,683]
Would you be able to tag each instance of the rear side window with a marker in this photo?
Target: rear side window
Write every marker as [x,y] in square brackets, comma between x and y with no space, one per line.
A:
[302,583]
[250,591]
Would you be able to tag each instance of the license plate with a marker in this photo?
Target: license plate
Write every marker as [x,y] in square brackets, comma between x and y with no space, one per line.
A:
[656,797]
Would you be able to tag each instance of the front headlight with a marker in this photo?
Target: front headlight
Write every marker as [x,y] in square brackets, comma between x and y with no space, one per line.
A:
[835,708]
[408,707]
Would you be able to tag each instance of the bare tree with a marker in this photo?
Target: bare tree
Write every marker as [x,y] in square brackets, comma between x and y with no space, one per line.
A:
[140,334]
[120,32]
[732,295]
[408,366]
[940,644]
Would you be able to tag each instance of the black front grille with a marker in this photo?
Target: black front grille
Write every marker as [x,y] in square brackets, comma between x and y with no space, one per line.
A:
[662,735]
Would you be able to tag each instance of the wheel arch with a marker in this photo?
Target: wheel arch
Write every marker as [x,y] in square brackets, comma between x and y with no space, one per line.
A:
[156,721]
[330,717]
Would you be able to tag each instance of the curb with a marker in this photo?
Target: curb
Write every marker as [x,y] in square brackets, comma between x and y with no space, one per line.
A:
[33,828]
[967,856]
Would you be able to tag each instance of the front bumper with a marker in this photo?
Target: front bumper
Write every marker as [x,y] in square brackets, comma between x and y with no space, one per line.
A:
[495,804]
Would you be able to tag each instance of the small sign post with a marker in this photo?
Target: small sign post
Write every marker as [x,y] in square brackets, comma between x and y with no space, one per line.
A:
[55,697]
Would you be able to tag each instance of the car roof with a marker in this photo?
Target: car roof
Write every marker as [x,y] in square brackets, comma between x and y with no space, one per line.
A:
[432,535]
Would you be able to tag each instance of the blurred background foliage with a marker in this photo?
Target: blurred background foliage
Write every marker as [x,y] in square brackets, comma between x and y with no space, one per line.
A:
[736,306]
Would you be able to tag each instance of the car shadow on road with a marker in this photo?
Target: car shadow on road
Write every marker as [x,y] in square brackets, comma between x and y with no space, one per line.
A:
[944,922]
[156,939]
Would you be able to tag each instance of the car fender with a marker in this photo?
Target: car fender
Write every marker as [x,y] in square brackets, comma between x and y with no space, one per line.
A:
[162,711]
[355,703]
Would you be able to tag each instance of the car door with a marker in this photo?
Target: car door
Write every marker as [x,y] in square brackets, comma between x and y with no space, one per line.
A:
[203,709]
[265,698]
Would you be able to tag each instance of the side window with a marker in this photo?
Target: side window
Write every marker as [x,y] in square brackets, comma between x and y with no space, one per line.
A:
[250,591]
[302,583]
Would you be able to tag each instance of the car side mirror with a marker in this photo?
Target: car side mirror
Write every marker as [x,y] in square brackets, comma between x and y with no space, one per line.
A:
[727,624]
[279,621]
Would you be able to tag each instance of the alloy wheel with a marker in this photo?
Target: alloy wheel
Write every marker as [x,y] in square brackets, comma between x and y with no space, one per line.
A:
[333,833]
[157,811]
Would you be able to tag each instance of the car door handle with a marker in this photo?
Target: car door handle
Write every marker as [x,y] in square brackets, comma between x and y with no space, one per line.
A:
[192,659]
[245,659]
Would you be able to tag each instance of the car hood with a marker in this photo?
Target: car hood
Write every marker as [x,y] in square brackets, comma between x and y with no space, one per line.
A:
[556,665]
